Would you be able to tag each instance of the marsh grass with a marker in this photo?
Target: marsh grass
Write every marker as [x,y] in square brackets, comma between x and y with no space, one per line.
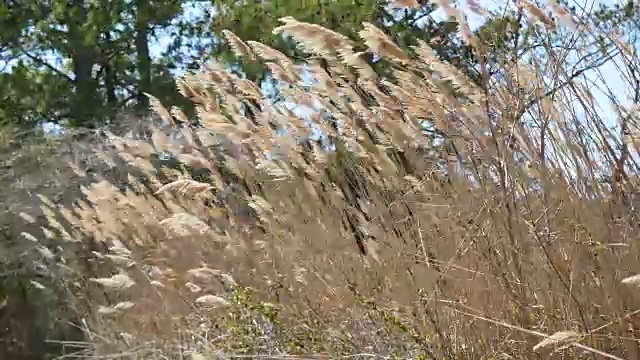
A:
[494,238]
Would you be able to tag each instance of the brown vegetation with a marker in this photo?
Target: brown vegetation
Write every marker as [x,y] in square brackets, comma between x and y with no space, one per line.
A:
[491,237]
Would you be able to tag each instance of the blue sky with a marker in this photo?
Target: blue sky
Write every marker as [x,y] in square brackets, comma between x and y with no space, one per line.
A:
[609,70]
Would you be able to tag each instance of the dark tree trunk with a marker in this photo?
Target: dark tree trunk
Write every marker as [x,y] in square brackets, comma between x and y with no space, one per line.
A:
[142,50]
[83,55]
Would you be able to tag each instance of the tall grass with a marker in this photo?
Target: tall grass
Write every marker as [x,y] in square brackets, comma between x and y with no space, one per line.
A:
[435,218]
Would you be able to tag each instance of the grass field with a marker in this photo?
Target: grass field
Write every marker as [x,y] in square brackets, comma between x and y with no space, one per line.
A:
[437,217]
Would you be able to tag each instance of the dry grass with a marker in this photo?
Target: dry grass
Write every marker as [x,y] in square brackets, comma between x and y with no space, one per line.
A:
[497,240]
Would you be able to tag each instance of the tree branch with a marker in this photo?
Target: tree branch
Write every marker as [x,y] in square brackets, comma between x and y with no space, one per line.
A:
[41,62]
[558,87]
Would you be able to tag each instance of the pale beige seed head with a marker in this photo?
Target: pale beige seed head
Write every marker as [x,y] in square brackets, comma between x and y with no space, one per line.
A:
[116,282]
[632,280]
[559,338]
[411,4]
[239,47]
[119,307]
[212,301]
